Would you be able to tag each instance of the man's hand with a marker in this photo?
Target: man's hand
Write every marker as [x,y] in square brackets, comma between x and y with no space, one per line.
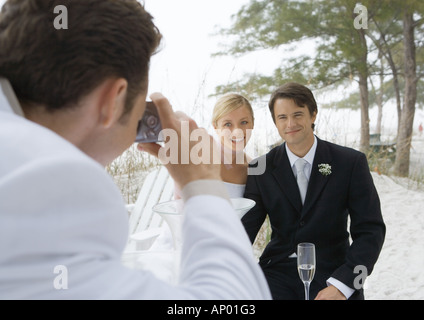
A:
[185,171]
[330,293]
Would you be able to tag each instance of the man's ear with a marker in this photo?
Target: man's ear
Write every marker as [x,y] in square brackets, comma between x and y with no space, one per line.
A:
[112,103]
[314,116]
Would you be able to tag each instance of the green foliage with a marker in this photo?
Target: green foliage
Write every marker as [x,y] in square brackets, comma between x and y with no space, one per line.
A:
[268,24]
[341,53]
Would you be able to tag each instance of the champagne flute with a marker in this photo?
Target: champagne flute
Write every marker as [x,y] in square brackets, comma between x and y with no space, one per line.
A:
[306,264]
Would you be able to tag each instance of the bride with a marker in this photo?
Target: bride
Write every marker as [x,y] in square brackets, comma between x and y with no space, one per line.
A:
[233,121]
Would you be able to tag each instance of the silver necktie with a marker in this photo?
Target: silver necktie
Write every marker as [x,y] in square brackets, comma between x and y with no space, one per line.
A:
[302,182]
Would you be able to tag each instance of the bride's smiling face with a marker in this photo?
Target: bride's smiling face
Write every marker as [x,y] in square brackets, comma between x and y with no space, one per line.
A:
[235,128]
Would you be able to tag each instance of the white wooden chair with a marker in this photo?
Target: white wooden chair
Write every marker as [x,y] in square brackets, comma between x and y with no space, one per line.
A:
[144,224]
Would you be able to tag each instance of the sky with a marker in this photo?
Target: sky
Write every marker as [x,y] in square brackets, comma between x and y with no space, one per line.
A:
[184,70]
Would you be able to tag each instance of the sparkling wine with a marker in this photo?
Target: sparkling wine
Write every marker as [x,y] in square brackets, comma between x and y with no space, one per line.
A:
[306,272]
[306,264]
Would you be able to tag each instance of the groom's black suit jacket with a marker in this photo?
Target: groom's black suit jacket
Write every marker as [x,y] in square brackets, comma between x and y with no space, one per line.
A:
[323,219]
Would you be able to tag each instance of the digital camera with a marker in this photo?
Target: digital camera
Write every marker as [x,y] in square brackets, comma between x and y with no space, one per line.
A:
[149,128]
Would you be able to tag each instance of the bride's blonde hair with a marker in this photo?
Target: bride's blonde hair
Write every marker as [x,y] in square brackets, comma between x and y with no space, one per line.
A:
[228,103]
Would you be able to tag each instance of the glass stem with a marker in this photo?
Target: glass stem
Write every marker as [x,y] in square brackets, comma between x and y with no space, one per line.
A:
[307,290]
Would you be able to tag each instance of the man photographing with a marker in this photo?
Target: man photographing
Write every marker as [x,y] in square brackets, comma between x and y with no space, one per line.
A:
[82,91]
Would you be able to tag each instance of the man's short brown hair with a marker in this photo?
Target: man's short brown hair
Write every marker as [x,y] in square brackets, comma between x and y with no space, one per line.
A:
[56,68]
[301,95]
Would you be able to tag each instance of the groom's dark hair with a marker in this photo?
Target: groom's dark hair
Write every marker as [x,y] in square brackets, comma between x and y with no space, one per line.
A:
[301,95]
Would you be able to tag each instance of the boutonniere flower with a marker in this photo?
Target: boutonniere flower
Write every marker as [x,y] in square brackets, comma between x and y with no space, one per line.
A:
[324,169]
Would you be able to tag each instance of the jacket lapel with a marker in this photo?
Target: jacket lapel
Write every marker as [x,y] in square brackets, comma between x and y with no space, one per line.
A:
[317,181]
[283,173]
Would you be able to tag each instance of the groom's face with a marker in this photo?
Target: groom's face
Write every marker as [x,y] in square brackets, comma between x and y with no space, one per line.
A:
[294,123]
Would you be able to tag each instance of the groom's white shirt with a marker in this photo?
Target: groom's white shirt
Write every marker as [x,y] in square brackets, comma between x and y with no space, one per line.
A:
[58,207]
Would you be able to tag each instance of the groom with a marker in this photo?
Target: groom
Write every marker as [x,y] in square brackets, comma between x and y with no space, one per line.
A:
[309,189]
